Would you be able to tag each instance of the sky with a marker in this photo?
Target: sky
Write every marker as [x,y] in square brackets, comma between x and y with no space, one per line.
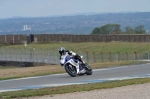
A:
[45,8]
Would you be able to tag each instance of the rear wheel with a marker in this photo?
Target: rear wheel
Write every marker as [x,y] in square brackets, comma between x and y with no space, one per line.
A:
[71,70]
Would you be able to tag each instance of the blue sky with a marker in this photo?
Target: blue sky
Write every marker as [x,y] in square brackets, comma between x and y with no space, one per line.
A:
[37,8]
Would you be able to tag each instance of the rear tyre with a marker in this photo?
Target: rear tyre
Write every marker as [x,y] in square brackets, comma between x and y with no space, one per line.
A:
[71,70]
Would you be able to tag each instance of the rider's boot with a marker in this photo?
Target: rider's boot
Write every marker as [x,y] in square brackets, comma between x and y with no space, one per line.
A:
[82,70]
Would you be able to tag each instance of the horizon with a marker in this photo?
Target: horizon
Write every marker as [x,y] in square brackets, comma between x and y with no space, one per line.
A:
[75,14]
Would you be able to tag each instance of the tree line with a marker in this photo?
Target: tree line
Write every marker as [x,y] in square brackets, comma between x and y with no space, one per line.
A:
[115,29]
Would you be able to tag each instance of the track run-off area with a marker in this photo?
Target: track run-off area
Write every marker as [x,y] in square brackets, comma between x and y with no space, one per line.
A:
[99,75]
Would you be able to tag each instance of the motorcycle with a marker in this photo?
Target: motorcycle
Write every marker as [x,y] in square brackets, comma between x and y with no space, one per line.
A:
[74,67]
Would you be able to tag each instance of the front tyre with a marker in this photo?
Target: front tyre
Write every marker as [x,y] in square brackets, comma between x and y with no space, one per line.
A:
[88,69]
[71,70]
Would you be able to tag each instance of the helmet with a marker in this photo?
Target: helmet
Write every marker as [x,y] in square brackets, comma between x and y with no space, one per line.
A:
[61,50]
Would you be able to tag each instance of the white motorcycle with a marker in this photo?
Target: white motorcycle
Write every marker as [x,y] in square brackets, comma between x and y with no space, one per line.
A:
[74,66]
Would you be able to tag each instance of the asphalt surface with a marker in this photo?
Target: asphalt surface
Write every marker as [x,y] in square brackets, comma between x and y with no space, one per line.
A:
[99,75]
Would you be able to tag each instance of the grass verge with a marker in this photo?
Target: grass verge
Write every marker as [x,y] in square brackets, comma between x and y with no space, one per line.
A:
[71,88]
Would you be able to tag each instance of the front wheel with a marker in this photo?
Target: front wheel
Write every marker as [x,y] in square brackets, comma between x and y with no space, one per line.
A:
[71,70]
[88,69]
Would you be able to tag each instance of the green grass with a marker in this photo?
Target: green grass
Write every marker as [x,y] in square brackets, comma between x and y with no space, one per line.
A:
[71,88]
[98,47]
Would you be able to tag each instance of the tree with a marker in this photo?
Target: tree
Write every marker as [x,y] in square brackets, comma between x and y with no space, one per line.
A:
[96,31]
[140,30]
[117,29]
[129,30]
[108,29]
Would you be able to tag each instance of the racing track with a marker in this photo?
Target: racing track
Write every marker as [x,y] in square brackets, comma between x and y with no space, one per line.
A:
[99,75]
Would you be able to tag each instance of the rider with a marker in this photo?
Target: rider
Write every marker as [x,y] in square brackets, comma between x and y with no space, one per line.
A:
[63,51]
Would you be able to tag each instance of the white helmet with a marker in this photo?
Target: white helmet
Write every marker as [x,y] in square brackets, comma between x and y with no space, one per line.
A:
[62,50]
